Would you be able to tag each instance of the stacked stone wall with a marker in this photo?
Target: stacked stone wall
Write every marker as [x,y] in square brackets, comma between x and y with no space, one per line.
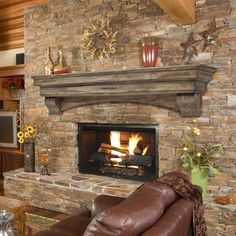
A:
[59,24]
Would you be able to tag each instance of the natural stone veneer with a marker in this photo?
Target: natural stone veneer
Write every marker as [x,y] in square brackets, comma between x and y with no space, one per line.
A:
[60,24]
[64,193]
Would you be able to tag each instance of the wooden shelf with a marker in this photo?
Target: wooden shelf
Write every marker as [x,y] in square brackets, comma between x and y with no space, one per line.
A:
[12,70]
[182,12]
[11,150]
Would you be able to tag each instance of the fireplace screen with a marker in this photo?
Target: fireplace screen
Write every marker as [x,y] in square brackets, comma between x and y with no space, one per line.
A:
[122,151]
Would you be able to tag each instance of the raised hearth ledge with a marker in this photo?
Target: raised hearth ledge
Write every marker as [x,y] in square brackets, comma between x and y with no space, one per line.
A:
[61,192]
[178,88]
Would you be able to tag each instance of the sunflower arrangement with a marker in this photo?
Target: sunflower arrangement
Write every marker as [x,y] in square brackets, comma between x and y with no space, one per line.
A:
[98,40]
[28,135]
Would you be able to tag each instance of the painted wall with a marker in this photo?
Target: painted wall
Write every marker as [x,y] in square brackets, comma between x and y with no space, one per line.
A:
[8,57]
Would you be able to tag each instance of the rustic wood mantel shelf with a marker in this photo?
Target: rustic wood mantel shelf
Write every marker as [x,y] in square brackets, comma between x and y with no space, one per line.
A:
[178,88]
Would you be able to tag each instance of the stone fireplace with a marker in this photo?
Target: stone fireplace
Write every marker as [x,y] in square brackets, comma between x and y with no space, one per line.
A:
[177,88]
[64,101]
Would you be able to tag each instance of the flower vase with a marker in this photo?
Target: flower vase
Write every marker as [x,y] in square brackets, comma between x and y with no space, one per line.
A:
[199,176]
[14,93]
[5,223]
[29,157]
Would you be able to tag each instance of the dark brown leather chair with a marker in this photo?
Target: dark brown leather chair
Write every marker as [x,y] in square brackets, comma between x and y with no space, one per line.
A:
[154,209]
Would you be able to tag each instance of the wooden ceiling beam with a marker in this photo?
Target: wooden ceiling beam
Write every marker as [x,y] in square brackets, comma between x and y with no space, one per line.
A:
[182,12]
[12,22]
[13,3]
[12,70]
[11,37]
[12,45]
[15,42]
[11,32]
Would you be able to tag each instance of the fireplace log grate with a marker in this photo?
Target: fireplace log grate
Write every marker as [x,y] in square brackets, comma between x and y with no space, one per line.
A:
[121,171]
[138,160]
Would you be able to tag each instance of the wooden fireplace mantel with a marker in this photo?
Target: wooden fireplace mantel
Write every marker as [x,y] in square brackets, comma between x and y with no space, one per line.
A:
[178,88]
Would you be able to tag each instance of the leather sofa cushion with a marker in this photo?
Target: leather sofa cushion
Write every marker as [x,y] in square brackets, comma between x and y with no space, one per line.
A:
[177,220]
[135,214]
[103,202]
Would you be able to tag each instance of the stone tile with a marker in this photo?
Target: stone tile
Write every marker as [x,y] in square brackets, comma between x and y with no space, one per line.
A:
[63,182]
[77,178]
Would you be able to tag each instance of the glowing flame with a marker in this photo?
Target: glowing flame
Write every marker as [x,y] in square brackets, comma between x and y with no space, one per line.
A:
[145,150]
[115,141]
[133,141]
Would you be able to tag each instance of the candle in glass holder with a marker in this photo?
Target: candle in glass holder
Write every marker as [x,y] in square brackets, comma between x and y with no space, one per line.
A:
[149,51]
[44,160]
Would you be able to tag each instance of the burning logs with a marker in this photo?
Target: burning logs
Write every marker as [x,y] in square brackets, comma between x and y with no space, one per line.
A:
[121,171]
[137,160]
[102,157]
[107,148]
[108,154]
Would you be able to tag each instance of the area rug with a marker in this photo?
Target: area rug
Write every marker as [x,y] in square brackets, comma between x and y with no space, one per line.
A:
[35,223]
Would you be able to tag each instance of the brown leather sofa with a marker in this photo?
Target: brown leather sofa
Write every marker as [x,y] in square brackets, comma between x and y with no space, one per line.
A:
[154,209]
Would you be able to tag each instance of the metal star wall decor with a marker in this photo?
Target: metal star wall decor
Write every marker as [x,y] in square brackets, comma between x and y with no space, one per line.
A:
[189,48]
[211,37]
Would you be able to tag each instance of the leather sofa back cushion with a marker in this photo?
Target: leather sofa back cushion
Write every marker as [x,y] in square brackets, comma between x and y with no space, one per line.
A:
[135,214]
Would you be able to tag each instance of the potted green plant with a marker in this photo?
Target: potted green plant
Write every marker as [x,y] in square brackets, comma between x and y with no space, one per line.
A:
[199,158]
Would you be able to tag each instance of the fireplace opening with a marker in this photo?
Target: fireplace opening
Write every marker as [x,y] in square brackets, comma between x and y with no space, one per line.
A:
[120,151]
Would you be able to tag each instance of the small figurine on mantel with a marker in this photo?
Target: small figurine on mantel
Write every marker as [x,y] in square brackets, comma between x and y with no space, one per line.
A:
[60,68]
[48,62]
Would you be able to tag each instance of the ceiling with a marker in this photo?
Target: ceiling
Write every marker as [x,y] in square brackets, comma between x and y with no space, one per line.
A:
[182,12]
[12,22]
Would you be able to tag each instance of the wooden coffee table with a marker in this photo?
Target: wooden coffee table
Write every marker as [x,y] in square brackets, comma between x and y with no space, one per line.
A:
[18,208]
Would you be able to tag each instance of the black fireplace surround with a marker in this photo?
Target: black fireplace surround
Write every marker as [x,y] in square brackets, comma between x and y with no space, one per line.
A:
[98,156]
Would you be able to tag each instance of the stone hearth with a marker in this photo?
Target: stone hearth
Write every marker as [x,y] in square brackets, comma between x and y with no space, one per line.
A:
[70,193]
[73,194]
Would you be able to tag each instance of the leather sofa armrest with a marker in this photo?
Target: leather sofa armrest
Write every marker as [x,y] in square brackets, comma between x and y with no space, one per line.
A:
[102,202]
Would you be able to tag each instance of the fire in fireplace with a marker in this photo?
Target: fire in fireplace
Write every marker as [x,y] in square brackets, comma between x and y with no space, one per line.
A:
[121,151]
